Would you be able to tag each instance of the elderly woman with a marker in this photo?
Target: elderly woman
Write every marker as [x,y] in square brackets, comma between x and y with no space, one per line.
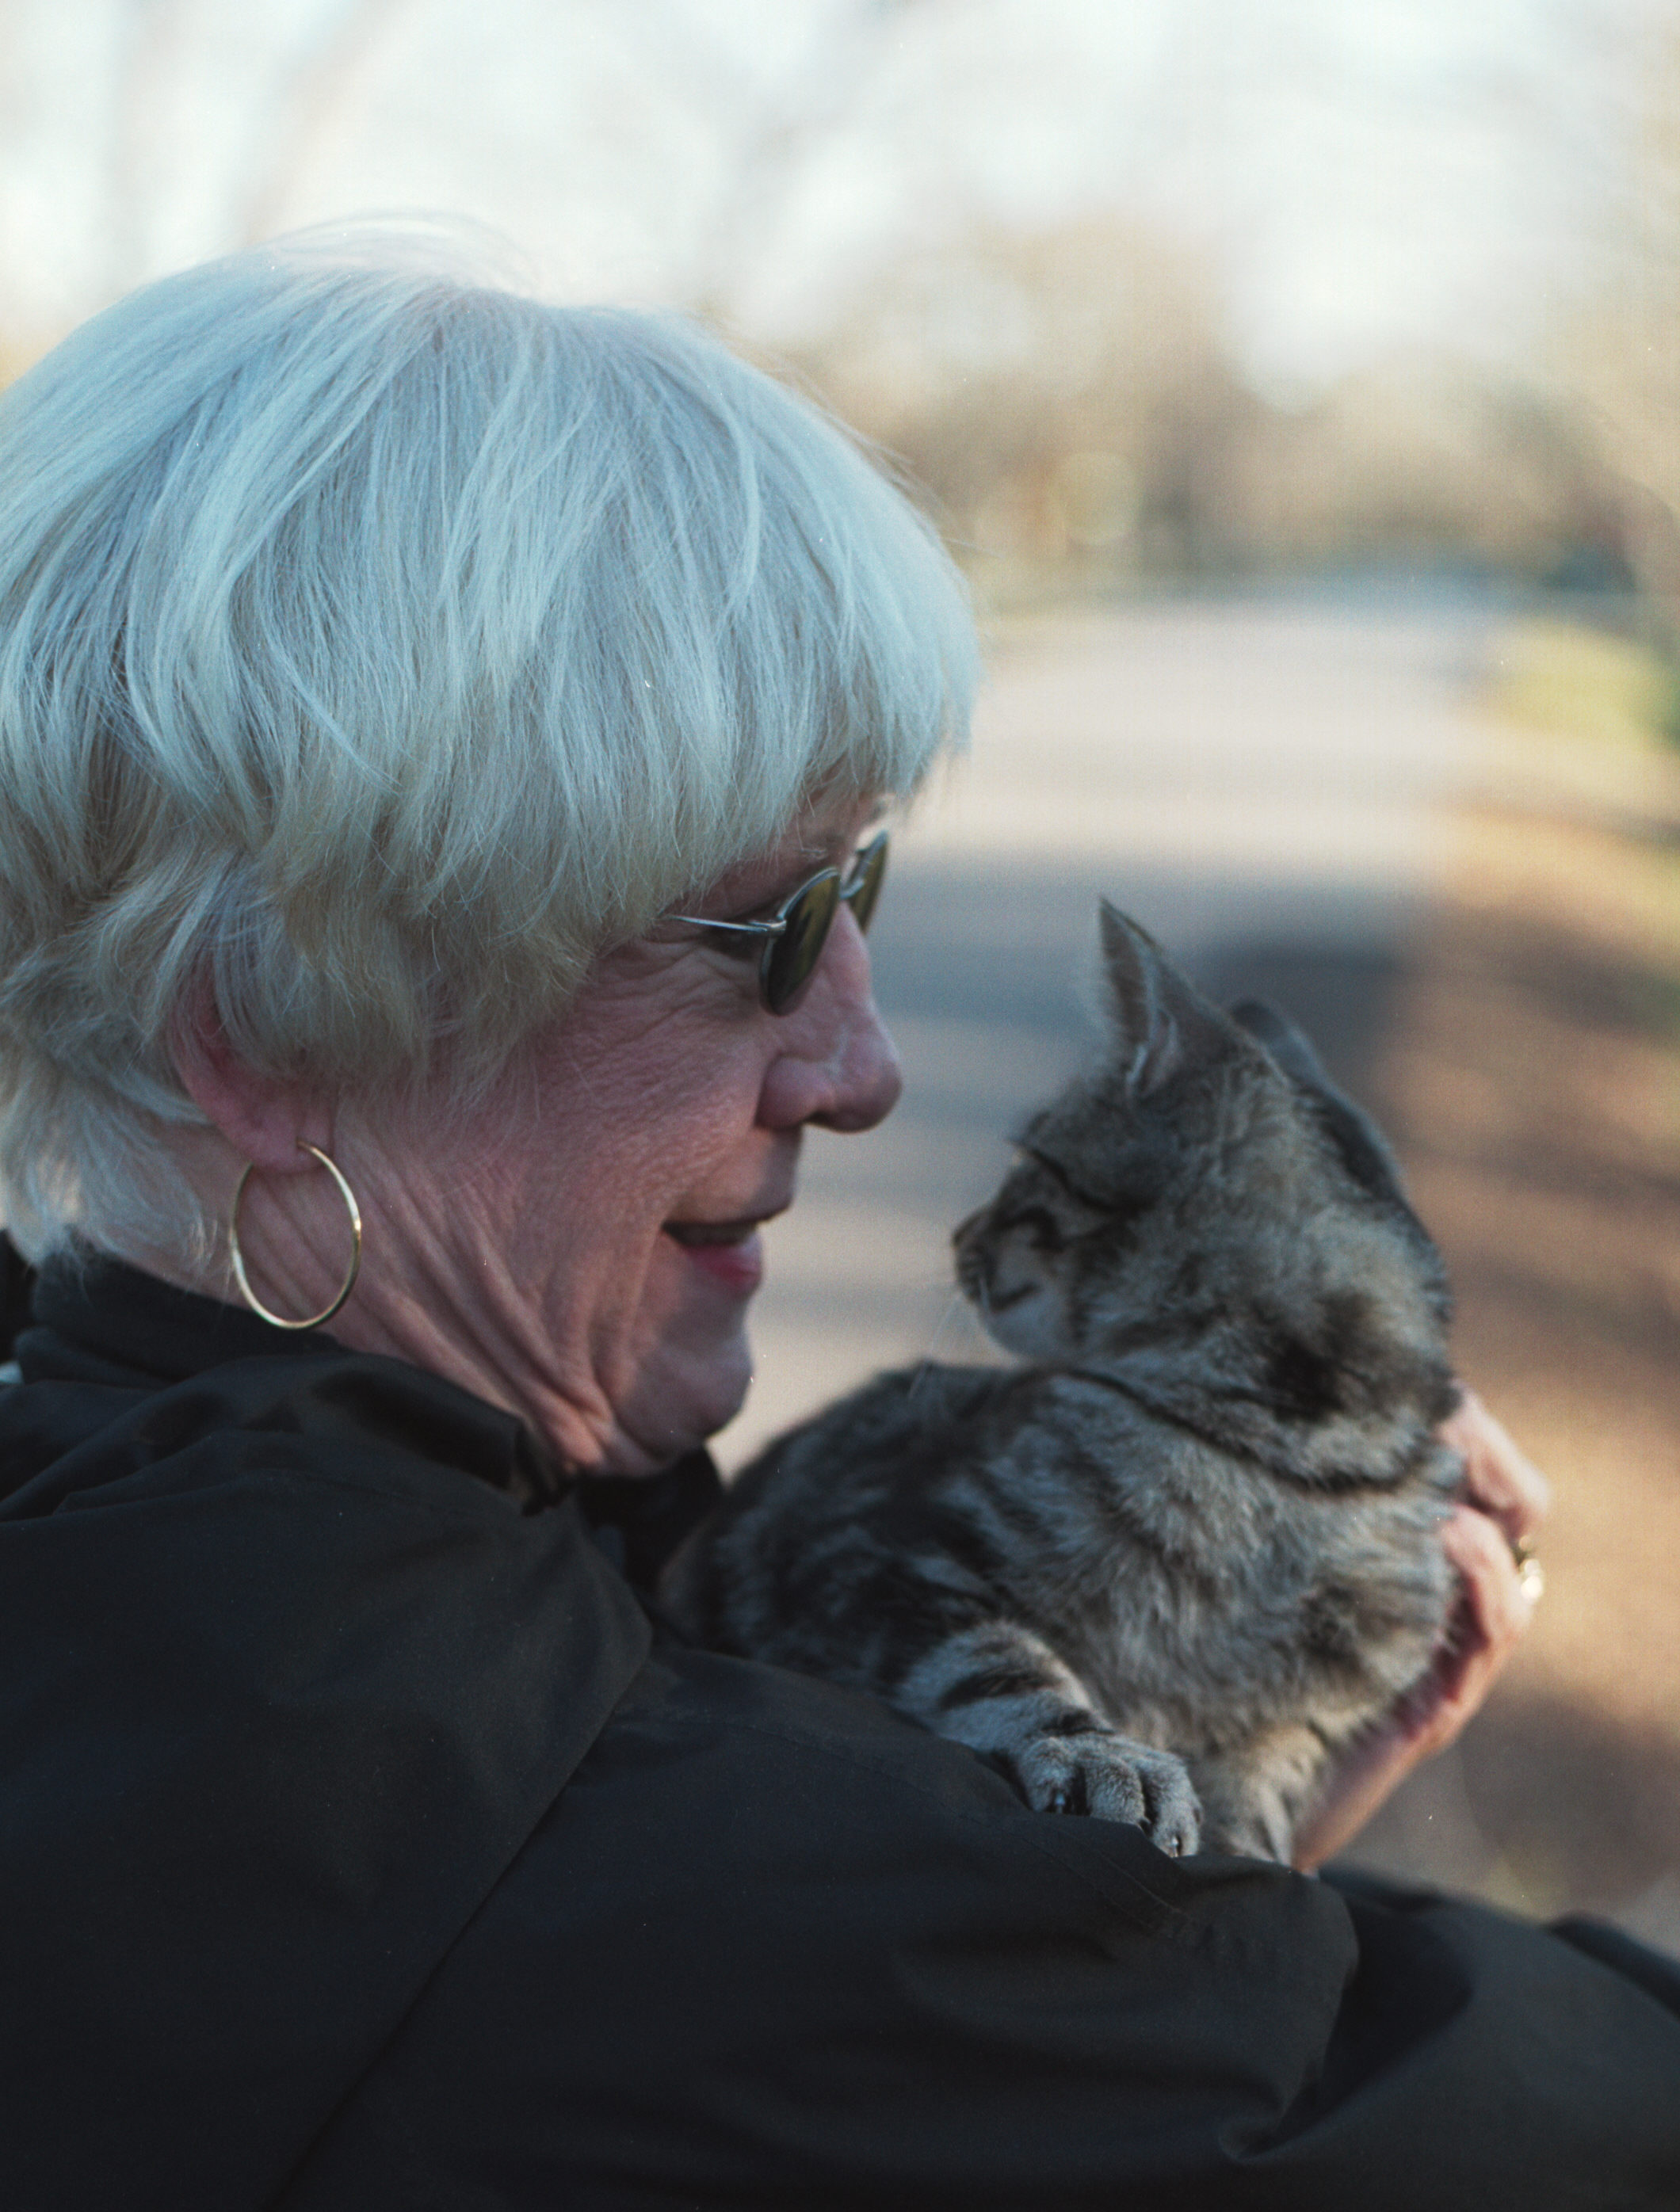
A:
[443,738]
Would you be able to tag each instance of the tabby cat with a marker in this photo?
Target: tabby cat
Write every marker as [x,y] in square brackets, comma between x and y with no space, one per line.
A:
[1164,1569]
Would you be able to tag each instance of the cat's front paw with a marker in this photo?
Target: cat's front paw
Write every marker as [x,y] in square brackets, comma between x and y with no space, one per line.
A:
[1112,1779]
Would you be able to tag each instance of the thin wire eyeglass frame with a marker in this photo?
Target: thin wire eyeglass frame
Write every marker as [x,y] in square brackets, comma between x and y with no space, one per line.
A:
[801,924]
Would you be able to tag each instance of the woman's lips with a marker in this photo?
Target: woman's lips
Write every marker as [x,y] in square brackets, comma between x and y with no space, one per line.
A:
[730,1252]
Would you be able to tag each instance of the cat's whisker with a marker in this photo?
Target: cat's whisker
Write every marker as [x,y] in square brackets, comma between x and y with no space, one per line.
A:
[953,1306]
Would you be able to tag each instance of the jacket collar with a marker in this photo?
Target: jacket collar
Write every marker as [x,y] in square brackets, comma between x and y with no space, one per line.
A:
[92,1310]
[98,1320]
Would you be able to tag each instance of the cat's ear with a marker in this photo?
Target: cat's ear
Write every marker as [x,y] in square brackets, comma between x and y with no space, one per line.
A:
[1289,1046]
[1161,1025]
[1365,1151]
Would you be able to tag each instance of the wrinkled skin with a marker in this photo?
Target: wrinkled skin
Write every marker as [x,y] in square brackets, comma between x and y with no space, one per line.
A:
[534,1251]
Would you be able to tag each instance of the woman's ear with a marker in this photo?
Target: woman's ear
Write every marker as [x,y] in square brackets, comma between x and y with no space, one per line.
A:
[264,1119]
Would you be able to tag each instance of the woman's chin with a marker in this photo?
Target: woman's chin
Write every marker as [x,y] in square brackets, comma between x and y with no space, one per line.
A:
[696,1364]
[692,1384]
[714,1384]
[686,1393]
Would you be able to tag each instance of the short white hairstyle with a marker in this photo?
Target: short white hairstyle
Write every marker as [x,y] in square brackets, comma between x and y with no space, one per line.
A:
[379,645]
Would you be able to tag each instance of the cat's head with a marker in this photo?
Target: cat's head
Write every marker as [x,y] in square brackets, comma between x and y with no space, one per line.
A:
[1206,1206]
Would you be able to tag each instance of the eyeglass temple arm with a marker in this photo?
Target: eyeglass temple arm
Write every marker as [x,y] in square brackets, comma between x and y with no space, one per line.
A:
[741,928]
[778,928]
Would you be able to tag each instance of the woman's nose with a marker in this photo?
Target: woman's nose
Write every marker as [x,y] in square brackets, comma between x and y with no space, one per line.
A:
[837,1066]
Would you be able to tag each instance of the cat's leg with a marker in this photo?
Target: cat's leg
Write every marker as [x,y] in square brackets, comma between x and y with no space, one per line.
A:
[1255,1797]
[1001,1690]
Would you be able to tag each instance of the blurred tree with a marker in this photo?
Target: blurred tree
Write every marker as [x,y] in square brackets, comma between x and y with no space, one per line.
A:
[1066,393]
[302,97]
[775,124]
[1422,461]
[126,105]
[1070,398]
[1069,391]
[1623,355]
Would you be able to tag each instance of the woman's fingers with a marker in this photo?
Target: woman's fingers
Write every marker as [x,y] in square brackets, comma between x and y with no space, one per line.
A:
[1509,1497]
[1478,1547]
[1501,1479]
[1487,1626]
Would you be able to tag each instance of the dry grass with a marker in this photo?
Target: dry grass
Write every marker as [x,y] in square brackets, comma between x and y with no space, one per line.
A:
[1534,1082]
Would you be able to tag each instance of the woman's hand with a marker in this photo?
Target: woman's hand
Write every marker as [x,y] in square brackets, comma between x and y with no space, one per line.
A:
[1508,1497]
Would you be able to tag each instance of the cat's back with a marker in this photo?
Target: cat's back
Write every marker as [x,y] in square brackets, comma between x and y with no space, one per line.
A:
[818,1492]
[931,1495]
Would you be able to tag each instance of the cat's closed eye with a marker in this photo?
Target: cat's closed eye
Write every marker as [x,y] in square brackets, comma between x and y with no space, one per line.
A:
[1062,1178]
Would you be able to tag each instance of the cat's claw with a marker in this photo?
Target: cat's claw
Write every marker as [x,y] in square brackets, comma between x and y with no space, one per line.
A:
[1111,1779]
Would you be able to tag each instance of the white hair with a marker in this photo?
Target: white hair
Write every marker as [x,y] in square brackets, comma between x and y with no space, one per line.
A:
[379,645]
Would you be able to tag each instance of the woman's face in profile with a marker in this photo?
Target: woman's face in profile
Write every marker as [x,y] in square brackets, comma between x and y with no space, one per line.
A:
[663,1127]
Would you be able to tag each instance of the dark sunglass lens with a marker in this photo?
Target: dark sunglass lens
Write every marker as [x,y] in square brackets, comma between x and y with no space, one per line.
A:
[791,960]
[871,874]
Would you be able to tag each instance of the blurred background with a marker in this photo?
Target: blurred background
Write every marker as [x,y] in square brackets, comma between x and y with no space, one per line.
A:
[1298,385]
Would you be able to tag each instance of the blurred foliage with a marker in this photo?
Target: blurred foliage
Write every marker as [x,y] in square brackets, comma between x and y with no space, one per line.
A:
[1583,682]
[14,359]
[1622,360]
[1071,400]
[1421,461]
[1065,395]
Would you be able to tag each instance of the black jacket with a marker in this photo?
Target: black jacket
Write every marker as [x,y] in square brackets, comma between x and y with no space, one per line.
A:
[363,1845]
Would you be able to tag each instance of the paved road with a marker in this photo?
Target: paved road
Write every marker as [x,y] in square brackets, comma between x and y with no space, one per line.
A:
[1257,783]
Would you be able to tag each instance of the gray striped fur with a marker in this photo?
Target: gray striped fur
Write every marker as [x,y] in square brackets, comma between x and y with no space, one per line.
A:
[1163,1569]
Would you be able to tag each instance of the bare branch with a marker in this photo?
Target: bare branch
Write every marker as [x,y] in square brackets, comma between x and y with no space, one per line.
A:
[304,104]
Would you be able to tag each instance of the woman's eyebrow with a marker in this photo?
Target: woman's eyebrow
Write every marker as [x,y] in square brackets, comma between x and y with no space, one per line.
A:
[748,905]
[835,851]
[781,891]
[810,861]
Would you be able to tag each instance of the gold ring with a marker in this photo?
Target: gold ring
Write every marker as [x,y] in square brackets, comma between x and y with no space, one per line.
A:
[1531,1575]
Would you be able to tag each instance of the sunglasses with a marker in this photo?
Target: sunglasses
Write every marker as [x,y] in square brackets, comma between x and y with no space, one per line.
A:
[794,936]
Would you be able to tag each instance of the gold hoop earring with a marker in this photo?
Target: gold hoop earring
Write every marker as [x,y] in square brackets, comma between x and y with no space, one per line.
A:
[279,1321]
